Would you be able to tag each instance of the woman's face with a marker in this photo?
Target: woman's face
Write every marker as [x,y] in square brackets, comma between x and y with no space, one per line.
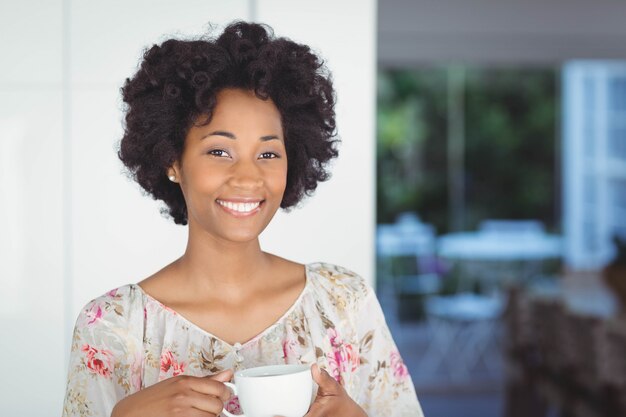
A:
[233,171]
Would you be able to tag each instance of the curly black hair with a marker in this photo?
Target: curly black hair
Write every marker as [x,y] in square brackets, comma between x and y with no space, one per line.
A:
[177,82]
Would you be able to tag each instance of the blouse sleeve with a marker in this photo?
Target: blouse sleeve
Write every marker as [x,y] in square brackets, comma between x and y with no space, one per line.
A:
[385,387]
[104,364]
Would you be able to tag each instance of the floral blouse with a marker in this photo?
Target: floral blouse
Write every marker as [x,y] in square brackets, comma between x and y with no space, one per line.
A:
[126,340]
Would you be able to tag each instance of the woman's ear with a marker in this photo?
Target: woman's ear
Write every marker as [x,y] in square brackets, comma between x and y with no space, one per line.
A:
[173,172]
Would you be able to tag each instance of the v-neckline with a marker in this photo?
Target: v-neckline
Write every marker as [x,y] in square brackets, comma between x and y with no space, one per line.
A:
[237,345]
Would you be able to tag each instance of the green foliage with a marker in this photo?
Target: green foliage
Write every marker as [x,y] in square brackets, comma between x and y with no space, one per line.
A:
[411,132]
[510,145]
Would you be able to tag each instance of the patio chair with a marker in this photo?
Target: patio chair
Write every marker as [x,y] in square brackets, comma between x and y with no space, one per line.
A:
[406,250]
[464,332]
[464,329]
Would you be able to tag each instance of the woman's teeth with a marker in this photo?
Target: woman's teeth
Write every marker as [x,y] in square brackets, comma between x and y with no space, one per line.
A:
[240,207]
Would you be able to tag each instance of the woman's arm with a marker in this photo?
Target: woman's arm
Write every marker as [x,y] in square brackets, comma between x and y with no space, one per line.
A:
[180,396]
[104,376]
[384,386]
[103,366]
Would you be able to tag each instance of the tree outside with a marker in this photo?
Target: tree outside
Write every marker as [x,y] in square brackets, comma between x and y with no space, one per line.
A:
[509,127]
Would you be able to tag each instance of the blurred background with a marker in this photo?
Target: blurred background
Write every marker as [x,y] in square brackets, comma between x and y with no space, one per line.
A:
[501,203]
[484,141]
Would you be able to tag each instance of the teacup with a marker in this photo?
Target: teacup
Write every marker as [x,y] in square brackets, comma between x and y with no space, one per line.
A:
[274,390]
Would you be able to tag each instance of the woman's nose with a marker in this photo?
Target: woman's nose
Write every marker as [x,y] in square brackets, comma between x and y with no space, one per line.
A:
[247,175]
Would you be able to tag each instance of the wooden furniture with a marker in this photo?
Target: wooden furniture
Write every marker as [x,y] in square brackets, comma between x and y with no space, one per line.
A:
[566,352]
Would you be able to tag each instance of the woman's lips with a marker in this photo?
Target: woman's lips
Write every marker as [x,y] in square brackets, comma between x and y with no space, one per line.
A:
[238,209]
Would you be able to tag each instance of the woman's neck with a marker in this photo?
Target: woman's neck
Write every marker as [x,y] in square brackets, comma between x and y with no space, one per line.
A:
[210,265]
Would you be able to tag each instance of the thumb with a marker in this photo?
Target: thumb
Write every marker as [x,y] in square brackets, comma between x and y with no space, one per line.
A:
[327,384]
[224,376]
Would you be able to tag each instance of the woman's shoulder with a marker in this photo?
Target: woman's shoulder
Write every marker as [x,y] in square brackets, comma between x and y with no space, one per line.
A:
[118,306]
[338,281]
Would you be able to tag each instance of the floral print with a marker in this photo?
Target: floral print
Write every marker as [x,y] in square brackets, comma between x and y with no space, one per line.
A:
[98,361]
[232,405]
[93,314]
[400,371]
[169,362]
[342,358]
[125,341]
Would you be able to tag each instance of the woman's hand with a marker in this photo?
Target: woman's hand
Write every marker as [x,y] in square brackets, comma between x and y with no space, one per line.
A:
[180,396]
[332,400]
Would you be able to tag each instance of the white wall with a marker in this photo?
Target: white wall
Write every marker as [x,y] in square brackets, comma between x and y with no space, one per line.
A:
[31,229]
[72,226]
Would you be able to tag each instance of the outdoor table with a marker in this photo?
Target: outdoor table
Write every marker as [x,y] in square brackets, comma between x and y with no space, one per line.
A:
[493,256]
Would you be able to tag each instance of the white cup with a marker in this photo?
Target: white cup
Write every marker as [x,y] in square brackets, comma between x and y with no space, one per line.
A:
[274,390]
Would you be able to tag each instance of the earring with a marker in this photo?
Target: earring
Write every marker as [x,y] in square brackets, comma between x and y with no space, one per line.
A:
[172,178]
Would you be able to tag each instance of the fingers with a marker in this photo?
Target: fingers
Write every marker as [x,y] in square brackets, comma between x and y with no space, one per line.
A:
[224,376]
[208,386]
[327,384]
[205,403]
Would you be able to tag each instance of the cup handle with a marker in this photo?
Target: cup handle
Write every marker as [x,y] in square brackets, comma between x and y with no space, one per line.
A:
[233,388]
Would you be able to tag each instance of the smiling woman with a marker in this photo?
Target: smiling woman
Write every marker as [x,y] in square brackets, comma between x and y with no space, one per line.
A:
[234,167]
[225,132]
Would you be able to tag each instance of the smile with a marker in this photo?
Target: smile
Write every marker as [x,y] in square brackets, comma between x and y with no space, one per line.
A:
[240,208]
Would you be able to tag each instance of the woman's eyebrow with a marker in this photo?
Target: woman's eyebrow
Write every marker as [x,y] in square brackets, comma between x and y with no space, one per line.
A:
[221,133]
[232,136]
[269,137]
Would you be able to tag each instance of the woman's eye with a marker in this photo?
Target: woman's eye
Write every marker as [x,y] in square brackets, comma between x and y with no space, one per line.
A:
[269,155]
[217,152]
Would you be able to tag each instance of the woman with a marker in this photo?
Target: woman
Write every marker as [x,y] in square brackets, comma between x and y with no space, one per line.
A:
[225,132]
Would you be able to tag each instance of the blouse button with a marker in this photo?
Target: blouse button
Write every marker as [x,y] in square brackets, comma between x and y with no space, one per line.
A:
[238,357]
